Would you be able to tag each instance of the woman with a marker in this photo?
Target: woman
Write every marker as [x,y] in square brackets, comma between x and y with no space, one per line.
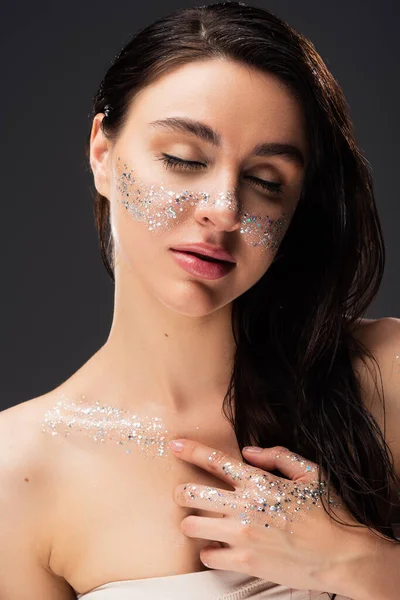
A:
[237,218]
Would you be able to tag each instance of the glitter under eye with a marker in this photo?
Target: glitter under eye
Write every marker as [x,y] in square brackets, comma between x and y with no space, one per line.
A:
[160,209]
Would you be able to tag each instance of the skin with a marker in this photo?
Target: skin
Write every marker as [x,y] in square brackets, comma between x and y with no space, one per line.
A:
[169,352]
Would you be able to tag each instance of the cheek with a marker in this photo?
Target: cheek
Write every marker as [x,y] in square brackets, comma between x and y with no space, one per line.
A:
[260,238]
[264,233]
[157,207]
[255,264]
[133,242]
[135,217]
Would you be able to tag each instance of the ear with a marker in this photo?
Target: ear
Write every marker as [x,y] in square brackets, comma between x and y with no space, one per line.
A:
[100,157]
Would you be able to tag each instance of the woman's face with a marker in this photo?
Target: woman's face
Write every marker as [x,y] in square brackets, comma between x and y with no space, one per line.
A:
[218,197]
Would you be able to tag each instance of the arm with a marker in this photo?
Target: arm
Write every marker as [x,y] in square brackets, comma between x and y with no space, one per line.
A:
[24,543]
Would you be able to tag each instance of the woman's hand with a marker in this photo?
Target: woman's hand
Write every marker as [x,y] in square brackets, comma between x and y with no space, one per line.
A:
[273,527]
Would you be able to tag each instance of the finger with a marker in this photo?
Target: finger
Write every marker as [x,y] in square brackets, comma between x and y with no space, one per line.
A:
[209,528]
[289,463]
[206,498]
[215,461]
[227,559]
[244,508]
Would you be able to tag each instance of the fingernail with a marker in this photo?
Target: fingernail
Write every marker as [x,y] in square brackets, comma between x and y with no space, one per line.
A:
[252,449]
[177,446]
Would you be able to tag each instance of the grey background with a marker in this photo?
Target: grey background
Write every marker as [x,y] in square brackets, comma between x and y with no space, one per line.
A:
[56,297]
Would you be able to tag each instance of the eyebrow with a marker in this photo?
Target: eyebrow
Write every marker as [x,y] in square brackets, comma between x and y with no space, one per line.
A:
[206,133]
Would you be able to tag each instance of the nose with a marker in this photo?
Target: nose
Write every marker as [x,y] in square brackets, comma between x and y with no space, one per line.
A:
[221,208]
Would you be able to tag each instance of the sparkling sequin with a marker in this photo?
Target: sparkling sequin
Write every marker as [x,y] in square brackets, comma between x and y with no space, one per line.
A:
[159,208]
[259,497]
[104,423]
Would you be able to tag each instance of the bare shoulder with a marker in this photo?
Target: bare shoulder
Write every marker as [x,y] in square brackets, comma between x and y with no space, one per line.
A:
[382,339]
[381,333]
[25,527]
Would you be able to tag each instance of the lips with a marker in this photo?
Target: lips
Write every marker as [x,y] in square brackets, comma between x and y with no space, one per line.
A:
[201,249]
[201,266]
[206,258]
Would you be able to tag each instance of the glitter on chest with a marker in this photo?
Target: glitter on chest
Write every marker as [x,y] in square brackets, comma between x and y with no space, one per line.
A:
[107,423]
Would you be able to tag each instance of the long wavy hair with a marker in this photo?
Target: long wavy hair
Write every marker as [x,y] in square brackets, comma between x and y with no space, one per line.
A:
[292,382]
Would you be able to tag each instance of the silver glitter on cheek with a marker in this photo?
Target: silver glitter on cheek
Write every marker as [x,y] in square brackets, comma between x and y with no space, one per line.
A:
[104,423]
[397,364]
[260,498]
[160,208]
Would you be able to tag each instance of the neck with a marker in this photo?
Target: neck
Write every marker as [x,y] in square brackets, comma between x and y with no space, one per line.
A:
[161,360]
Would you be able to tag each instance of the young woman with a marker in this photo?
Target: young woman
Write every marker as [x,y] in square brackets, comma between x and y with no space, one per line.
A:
[236,216]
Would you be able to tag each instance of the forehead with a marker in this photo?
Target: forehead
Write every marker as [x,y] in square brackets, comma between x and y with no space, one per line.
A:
[244,104]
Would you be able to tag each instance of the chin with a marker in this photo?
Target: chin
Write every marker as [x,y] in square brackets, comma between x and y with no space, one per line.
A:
[194,303]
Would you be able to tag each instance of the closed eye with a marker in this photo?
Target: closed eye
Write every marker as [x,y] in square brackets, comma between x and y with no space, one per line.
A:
[173,162]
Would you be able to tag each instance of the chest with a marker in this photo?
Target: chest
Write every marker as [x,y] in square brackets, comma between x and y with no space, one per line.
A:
[115,516]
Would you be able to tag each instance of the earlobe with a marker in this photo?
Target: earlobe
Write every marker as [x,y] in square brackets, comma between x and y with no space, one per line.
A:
[99,156]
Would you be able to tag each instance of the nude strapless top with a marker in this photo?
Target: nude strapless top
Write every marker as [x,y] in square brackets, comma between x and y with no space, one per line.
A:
[213,584]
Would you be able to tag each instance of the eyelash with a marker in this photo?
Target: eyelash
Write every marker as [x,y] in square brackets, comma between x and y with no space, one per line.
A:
[172,162]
